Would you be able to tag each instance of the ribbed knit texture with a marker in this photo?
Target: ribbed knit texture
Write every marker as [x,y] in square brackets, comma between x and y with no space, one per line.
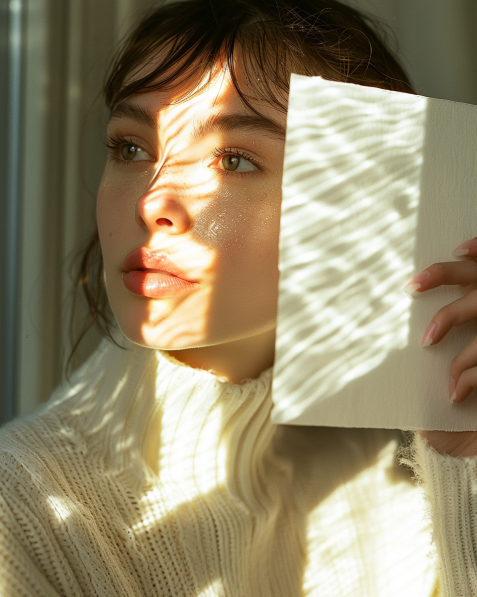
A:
[145,477]
[451,490]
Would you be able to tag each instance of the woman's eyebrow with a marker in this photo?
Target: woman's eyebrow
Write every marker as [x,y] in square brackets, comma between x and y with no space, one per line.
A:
[215,123]
[231,122]
[133,112]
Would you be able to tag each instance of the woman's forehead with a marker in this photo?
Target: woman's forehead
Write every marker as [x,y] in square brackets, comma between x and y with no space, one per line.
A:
[196,87]
[217,106]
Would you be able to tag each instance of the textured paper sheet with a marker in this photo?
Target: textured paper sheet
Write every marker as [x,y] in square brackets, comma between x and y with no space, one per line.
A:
[377,186]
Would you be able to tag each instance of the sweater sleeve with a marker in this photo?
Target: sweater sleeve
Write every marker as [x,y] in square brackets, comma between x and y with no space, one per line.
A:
[450,486]
[31,561]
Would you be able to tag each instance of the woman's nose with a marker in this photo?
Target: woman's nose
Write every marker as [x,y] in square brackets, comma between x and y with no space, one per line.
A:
[158,211]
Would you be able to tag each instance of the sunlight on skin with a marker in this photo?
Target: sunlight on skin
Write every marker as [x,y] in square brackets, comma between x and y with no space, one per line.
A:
[220,227]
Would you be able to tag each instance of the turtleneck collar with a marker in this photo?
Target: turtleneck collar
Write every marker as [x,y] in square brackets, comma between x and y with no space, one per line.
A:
[142,409]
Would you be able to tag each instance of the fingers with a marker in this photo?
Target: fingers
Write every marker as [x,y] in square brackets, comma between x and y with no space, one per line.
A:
[469,249]
[444,274]
[464,370]
[465,384]
[463,373]
[458,312]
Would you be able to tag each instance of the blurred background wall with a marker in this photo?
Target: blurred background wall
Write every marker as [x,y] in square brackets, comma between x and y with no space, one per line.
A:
[53,58]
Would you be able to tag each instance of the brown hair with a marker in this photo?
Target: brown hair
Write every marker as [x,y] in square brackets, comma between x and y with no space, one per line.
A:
[274,37]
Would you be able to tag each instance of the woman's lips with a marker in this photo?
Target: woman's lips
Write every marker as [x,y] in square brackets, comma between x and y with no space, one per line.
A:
[153,284]
[154,274]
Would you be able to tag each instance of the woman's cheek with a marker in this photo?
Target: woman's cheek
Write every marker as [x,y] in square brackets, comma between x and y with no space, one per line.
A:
[243,222]
[116,200]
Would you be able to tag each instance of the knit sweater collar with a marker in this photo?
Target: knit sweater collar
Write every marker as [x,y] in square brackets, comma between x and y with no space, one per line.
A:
[142,410]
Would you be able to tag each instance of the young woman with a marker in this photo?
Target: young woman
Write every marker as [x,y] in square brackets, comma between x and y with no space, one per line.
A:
[156,471]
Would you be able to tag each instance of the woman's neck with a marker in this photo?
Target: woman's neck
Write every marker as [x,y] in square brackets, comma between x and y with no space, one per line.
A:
[232,361]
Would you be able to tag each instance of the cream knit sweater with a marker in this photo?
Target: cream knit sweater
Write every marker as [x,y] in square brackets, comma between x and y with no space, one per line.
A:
[146,477]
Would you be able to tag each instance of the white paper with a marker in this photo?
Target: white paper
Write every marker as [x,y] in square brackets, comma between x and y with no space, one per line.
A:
[377,186]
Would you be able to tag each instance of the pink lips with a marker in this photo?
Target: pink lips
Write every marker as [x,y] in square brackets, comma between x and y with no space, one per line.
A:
[153,274]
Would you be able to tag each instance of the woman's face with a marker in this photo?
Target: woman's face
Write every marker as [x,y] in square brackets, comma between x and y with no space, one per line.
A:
[193,187]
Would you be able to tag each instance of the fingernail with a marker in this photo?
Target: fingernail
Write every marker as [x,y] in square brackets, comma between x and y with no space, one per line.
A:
[427,338]
[452,398]
[452,389]
[465,248]
[413,285]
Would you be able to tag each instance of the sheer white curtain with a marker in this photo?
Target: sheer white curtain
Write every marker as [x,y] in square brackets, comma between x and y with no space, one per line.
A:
[69,44]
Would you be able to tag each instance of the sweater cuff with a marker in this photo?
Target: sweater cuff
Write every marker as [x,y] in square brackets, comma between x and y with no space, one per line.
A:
[450,486]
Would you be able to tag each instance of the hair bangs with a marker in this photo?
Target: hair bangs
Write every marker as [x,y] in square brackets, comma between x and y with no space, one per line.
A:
[186,60]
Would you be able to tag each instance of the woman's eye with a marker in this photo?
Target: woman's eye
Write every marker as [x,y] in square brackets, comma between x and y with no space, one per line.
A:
[236,163]
[133,153]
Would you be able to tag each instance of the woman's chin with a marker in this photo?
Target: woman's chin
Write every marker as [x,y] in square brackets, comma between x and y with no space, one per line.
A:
[163,335]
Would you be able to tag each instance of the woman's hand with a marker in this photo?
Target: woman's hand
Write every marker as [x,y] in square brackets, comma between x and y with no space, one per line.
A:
[463,370]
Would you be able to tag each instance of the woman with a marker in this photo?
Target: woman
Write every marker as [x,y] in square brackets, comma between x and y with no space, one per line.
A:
[156,471]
